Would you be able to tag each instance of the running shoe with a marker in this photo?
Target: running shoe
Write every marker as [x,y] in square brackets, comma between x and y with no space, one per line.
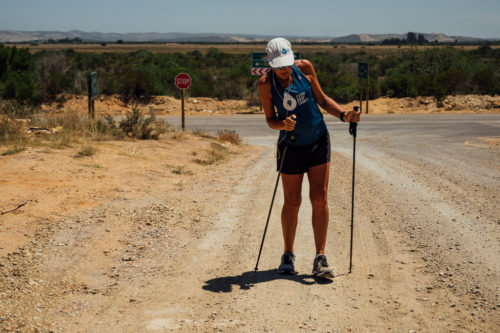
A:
[321,268]
[286,266]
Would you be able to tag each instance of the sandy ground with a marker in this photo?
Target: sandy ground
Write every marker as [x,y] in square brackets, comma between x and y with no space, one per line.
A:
[165,105]
[140,238]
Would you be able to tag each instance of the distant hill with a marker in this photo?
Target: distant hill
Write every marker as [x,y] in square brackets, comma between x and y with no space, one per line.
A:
[432,37]
[8,36]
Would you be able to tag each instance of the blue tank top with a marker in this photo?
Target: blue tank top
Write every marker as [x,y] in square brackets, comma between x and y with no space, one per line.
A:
[298,99]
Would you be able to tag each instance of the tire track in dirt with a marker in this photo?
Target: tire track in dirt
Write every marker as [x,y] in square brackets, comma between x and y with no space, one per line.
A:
[449,249]
[389,289]
[189,267]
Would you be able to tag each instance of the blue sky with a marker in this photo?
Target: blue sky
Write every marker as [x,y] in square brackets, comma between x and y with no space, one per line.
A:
[479,18]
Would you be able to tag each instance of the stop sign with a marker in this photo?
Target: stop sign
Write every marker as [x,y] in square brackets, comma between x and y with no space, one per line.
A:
[183,81]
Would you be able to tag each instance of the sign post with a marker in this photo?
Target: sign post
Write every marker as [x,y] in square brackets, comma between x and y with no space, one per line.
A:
[182,81]
[363,75]
[260,65]
[92,93]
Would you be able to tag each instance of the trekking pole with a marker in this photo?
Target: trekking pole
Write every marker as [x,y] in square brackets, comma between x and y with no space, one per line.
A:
[353,127]
[290,136]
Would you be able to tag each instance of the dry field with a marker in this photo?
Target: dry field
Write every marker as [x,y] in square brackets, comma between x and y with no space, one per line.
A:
[378,50]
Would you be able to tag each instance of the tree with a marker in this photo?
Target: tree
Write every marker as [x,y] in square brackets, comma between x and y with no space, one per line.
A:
[411,37]
[421,39]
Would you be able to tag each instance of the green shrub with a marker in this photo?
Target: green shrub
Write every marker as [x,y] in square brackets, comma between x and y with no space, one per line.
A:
[29,79]
[136,126]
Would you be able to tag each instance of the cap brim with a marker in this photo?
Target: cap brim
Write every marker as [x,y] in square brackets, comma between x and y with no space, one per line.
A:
[282,61]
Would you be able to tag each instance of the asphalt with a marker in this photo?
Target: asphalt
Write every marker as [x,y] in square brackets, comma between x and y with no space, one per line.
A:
[435,128]
[448,141]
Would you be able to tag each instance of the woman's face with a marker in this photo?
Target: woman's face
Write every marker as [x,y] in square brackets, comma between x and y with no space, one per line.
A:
[283,72]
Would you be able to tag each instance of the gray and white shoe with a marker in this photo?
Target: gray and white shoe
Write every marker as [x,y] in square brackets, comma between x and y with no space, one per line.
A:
[321,268]
[287,264]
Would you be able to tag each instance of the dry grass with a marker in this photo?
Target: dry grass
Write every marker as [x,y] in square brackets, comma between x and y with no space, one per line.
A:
[13,151]
[179,169]
[11,131]
[87,151]
[217,153]
[203,134]
[64,130]
[178,135]
[229,136]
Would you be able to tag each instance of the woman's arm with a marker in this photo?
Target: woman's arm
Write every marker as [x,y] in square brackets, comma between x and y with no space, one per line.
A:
[272,120]
[327,103]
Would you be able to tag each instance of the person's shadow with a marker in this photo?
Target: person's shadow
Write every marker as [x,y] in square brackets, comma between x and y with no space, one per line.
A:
[249,279]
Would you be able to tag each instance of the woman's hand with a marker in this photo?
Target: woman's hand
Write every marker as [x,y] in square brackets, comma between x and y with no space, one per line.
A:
[289,123]
[352,116]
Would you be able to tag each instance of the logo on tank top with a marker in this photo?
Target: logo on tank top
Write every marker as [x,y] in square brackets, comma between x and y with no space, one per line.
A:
[290,102]
[301,98]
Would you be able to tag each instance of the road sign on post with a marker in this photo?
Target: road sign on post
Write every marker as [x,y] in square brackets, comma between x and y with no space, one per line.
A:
[92,93]
[363,74]
[93,83]
[183,81]
[363,70]
[260,65]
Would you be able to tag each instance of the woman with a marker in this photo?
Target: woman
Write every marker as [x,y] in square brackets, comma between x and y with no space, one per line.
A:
[290,94]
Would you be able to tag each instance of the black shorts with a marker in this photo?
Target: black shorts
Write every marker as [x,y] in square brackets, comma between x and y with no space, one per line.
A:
[299,159]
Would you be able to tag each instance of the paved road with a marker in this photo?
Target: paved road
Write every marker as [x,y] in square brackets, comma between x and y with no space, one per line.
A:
[435,128]
[425,143]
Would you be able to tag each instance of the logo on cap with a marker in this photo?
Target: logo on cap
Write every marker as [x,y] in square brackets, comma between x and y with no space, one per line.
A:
[283,50]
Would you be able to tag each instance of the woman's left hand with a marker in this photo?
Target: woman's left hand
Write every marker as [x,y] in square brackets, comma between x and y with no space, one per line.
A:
[352,116]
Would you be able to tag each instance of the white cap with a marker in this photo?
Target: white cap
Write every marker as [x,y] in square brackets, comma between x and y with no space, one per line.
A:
[279,53]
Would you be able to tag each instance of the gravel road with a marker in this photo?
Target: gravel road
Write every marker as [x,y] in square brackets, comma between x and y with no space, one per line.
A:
[425,254]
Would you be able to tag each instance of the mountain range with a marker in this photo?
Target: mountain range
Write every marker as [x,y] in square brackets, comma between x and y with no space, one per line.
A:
[10,36]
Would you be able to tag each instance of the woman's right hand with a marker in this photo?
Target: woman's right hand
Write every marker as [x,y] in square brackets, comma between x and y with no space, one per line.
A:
[289,123]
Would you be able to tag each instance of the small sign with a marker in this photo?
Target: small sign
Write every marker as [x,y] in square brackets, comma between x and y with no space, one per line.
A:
[260,65]
[183,81]
[93,85]
[363,70]
[260,71]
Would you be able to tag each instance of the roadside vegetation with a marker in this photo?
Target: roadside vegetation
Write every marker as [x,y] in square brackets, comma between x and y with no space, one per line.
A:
[69,129]
[29,79]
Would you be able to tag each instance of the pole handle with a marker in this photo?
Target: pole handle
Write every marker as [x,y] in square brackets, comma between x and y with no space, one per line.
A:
[353,127]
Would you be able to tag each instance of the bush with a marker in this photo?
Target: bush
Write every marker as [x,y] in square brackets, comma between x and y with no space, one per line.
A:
[229,136]
[29,79]
[216,154]
[11,131]
[105,128]
[135,126]
[87,151]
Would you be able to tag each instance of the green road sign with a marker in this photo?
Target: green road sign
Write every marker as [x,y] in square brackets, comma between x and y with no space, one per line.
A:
[362,70]
[259,59]
[93,84]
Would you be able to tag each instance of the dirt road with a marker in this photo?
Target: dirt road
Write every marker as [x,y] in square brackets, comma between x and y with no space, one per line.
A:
[425,256]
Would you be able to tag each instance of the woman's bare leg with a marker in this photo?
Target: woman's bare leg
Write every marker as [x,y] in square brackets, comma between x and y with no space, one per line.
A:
[292,187]
[318,190]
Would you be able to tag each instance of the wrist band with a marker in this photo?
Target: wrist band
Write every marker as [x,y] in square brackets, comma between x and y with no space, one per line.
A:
[342,114]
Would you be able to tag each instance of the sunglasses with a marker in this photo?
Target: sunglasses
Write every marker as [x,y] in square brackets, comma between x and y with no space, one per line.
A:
[282,67]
